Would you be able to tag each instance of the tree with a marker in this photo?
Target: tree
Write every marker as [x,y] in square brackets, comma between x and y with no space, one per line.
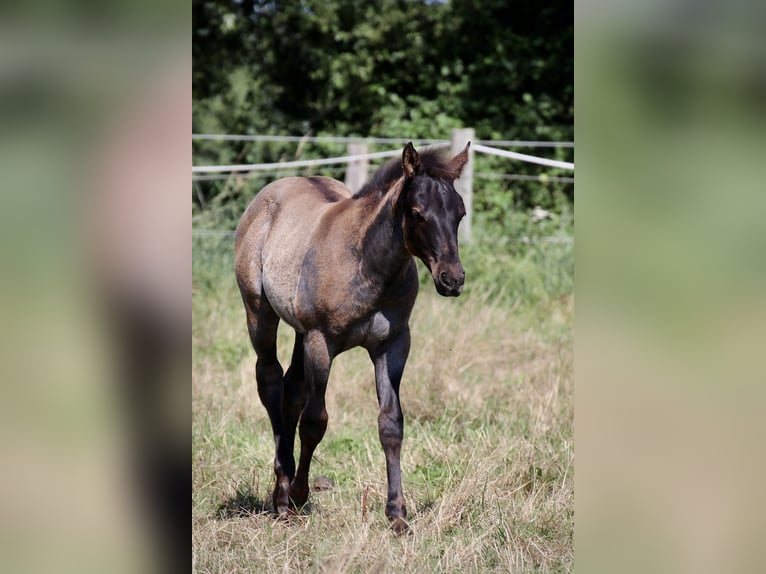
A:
[411,68]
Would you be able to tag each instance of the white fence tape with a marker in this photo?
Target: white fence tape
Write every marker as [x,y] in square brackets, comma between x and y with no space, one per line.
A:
[523,157]
[289,164]
[542,178]
[380,154]
[346,139]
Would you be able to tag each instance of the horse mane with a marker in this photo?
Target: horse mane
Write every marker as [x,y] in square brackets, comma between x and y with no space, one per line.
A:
[433,162]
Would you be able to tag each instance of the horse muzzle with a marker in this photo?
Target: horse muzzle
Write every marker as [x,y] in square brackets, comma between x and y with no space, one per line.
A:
[449,281]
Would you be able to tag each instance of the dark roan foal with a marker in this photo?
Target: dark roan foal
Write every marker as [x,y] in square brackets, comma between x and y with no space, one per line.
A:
[339,269]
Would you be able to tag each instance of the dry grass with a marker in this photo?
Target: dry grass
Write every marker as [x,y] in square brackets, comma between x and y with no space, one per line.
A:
[487,460]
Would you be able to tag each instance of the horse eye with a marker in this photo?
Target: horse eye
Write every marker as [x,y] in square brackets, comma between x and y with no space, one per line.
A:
[417,215]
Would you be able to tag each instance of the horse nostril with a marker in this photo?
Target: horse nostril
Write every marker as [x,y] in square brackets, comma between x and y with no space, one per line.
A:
[452,280]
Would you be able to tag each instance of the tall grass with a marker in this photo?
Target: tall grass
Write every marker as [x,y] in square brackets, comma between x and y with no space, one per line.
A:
[487,459]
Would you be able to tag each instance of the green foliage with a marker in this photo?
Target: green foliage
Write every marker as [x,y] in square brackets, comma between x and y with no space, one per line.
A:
[519,275]
[382,68]
[314,65]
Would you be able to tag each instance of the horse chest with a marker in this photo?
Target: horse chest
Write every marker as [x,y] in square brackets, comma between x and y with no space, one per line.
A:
[356,320]
[353,322]
[368,333]
[376,329]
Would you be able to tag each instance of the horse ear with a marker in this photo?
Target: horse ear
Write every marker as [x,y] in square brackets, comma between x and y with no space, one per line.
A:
[455,166]
[410,160]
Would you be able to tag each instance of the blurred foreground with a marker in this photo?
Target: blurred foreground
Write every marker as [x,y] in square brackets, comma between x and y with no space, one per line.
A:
[671,286]
[94,295]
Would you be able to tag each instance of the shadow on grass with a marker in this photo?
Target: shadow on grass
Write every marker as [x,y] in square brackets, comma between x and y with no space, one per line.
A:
[241,505]
[245,504]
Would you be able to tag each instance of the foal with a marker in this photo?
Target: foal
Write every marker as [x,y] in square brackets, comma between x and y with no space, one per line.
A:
[339,269]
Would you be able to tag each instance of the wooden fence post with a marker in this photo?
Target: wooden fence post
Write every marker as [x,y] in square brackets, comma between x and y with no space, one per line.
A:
[464,185]
[356,172]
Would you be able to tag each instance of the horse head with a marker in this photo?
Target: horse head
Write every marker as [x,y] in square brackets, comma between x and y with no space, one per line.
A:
[432,211]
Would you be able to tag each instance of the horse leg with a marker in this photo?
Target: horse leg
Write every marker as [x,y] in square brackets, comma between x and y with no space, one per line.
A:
[262,323]
[389,360]
[293,402]
[313,423]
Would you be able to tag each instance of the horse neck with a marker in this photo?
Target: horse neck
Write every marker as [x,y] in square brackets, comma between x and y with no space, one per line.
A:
[384,255]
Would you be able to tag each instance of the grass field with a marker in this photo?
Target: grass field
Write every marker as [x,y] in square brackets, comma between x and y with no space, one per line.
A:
[487,460]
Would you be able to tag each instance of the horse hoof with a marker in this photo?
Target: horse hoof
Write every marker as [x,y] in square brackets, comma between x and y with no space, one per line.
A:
[298,499]
[282,512]
[322,483]
[399,526]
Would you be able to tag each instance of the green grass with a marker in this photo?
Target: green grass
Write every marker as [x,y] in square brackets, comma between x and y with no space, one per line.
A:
[487,459]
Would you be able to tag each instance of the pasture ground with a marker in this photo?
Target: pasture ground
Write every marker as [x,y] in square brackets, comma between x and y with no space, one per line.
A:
[487,460]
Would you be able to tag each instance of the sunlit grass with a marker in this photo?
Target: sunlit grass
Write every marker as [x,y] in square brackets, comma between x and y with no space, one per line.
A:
[487,460]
